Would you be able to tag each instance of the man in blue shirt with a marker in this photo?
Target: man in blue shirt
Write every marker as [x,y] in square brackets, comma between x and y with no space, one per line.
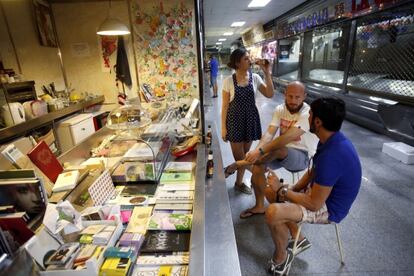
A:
[324,194]
[214,66]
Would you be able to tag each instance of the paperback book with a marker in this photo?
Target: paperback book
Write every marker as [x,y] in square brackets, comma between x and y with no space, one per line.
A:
[166,241]
[170,221]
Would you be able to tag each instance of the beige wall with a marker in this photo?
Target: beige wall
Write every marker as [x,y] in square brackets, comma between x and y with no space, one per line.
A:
[38,63]
[78,23]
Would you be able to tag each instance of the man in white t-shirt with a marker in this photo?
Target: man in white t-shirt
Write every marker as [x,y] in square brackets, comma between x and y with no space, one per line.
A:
[289,149]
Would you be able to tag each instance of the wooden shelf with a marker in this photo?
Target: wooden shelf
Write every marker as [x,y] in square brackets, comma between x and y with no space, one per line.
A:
[21,129]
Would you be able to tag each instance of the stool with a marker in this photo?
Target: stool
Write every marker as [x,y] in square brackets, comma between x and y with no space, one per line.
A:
[338,238]
[295,175]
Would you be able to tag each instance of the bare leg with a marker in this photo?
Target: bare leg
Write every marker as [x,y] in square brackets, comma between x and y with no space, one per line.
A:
[215,88]
[239,154]
[259,184]
[277,217]
[293,229]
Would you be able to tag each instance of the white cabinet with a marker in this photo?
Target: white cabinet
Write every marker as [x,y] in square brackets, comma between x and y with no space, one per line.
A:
[74,130]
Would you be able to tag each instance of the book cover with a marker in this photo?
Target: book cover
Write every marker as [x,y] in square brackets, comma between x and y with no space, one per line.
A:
[174,206]
[170,221]
[181,270]
[133,171]
[139,189]
[166,241]
[15,231]
[139,220]
[173,258]
[66,181]
[179,167]
[175,177]
[43,158]
[63,254]
[25,195]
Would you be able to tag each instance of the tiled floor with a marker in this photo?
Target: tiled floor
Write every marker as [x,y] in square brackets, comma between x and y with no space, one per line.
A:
[378,233]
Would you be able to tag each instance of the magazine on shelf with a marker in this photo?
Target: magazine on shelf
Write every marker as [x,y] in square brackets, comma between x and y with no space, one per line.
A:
[166,241]
[180,270]
[170,221]
[14,232]
[24,193]
[179,167]
[174,206]
[167,258]
[139,189]
[133,171]
[174,177]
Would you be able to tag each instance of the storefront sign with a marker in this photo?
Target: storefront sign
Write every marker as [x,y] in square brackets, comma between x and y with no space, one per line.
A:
[309,21]
[321,12]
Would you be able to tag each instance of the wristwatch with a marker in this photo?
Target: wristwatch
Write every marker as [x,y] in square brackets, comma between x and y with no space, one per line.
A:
[282,193]
[261,151]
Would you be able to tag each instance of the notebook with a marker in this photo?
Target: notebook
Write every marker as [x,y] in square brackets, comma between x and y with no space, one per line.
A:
[43,158]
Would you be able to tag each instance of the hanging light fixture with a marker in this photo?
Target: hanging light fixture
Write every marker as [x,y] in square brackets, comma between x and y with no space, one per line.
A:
[112,25]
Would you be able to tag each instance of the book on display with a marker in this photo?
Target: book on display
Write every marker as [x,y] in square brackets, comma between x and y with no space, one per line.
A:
[166,241]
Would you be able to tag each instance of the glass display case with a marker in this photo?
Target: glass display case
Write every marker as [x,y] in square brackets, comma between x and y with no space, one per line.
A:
[324,53]
[287,66]
[383,54]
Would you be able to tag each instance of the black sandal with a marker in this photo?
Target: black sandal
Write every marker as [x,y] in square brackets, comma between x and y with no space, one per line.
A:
[226,171]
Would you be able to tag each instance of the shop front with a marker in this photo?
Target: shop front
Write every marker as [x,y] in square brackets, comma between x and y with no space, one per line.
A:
[360,51]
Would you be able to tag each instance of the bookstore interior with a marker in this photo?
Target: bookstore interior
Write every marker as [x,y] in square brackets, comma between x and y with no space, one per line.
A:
[105,154]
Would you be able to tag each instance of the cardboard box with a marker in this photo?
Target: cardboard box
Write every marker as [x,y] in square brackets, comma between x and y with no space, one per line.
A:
[399,151]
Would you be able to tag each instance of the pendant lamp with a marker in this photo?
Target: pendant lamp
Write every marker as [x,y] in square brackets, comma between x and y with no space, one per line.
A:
[112,25]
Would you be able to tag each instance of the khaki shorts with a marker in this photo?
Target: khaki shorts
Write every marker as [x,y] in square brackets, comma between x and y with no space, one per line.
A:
[318,217]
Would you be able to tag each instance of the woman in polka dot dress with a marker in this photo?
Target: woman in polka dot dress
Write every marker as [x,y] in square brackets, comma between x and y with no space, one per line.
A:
[240,121]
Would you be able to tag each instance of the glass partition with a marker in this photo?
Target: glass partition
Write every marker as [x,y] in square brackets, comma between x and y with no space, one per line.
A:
[324,54]
[383,58]
[288,61]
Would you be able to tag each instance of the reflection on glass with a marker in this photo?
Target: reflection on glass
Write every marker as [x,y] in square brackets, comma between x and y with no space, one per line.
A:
[324,56]
[288,64]
[383,54]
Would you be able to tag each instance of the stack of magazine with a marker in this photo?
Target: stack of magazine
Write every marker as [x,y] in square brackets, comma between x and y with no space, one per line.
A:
[167,240]
[22,205]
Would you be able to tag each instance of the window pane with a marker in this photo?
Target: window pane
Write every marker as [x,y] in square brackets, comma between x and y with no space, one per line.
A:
[288,63]
[384,53]
[324,54]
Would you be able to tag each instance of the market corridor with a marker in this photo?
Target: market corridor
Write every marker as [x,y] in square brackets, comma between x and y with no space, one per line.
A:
[377,235]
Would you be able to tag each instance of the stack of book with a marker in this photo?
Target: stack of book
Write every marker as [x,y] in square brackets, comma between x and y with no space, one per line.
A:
[22,204]
[165,250]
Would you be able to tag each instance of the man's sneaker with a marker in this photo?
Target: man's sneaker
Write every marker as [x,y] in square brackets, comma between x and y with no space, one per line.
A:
[300,247]
[280,269]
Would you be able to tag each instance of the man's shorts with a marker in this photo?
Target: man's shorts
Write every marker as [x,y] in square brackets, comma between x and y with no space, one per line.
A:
[318,217]
[296,160]
[213,80]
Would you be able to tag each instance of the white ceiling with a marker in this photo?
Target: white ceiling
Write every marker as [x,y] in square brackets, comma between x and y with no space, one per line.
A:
[219,14]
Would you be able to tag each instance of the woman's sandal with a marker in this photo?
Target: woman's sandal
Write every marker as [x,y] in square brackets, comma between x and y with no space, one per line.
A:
[228,172]
[243,188]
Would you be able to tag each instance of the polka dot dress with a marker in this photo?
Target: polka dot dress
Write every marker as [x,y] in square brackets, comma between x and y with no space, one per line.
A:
[243,120]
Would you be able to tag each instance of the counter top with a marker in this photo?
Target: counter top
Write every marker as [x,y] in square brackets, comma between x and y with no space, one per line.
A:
[8,133]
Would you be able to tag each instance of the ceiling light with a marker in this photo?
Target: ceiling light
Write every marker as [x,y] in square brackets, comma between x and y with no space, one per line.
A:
[219,43]
[258,3]
[222,39]
[238,24]
[112,25]
[228,34]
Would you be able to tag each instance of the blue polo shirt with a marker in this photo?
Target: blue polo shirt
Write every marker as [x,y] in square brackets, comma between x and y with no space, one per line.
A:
[213,67]
[337,165]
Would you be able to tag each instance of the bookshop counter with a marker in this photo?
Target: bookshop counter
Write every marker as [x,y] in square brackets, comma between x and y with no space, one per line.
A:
[213,248]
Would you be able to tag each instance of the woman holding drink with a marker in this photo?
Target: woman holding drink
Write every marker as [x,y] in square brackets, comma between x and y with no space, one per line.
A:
[240,121]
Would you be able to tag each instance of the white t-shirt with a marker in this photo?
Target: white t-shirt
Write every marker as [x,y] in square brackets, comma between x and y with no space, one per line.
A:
[283,120]
[228,84]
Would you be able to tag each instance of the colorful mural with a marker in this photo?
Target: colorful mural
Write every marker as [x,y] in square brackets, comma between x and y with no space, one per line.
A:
[165,46]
